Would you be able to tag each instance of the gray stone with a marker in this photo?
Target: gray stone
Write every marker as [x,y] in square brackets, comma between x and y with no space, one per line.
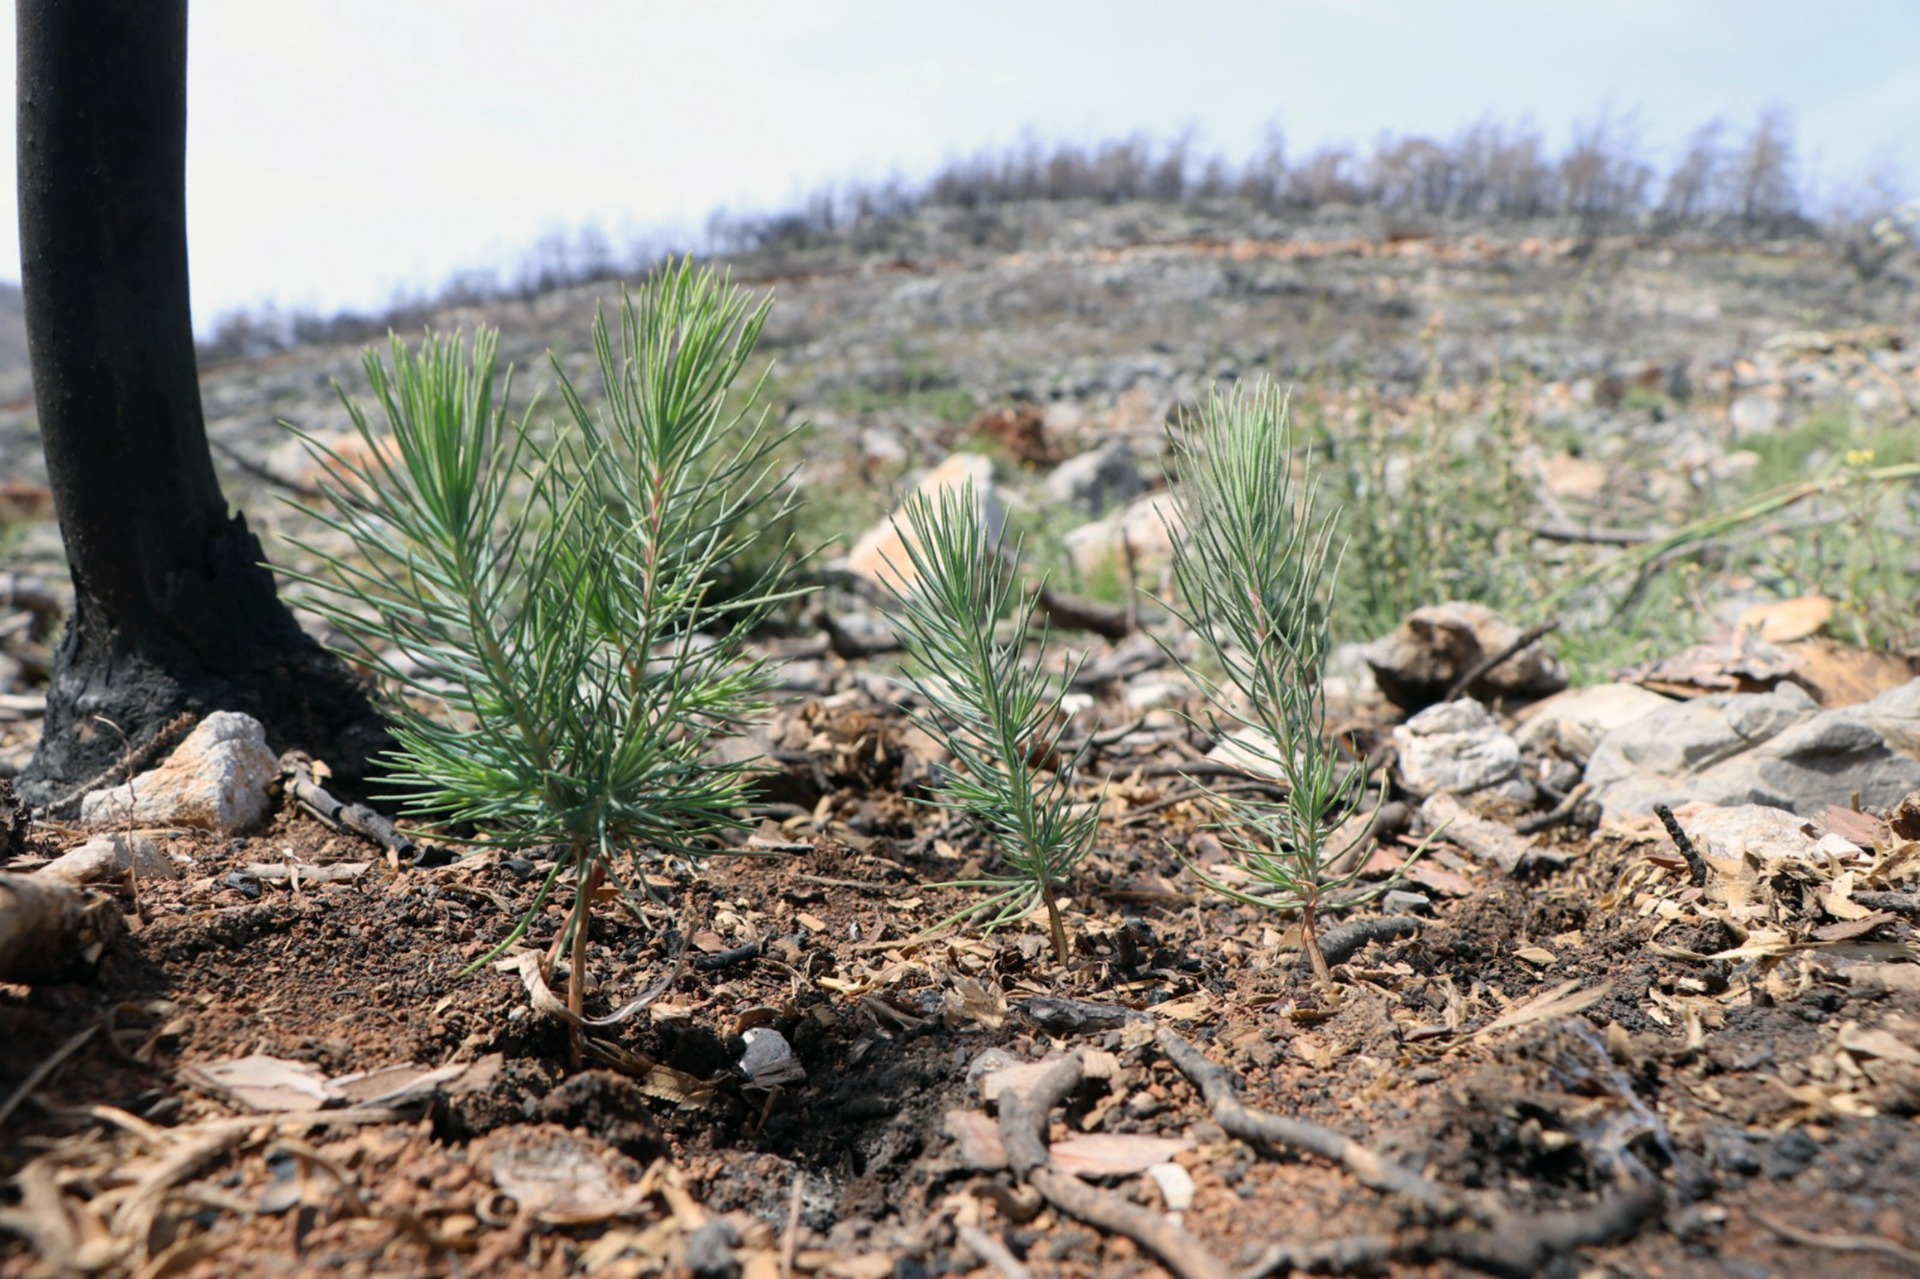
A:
[1097,480]
[216,779]
[1777,748]
[1752,415]
[1570,724]
[1455,748]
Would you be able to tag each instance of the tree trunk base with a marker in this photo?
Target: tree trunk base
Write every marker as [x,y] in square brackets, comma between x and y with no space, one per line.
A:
[113,710]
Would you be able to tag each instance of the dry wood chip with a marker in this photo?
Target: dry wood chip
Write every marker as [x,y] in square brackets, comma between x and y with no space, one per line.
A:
[1107,1154]
[561,1178]
[1852,927]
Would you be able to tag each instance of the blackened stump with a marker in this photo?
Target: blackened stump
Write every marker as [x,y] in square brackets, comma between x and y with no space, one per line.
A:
[173,611]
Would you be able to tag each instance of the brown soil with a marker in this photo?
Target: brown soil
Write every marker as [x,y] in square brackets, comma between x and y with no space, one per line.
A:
[1547,1040]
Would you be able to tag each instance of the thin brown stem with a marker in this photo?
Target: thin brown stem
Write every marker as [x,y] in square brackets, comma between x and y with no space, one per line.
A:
[1054,924]
[577,977]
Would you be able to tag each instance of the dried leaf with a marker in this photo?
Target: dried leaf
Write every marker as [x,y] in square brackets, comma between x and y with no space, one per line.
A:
[1782,621]
[1187,1008]
[1872,1042]
[264,1083]
[1854,927]
[973,1003]
[1563,1000]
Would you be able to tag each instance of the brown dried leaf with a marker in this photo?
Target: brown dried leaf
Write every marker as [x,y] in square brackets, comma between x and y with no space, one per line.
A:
[1873,1042]
[1563,1000]
[1852,928]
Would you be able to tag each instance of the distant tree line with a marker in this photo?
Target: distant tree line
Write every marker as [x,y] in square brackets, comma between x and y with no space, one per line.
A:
[1725,184]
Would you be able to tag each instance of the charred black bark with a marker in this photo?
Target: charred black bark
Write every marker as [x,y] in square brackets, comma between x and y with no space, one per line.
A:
[173,611]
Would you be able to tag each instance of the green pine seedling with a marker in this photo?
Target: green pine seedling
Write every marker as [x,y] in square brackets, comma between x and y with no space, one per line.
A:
[1254,563]
[997,714]
[551,592]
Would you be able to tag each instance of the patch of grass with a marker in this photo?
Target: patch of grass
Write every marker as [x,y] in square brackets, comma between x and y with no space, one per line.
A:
[1821,442]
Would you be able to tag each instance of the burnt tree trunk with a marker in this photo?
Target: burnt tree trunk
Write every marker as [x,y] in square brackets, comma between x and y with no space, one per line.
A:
[174,614]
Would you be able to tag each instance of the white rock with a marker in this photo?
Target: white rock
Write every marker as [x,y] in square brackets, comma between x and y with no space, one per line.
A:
[216,779]
[1176,1186]
[1731,831]
[881,553]
[106,856]
[1455,747]
[1753,414]
[1143,524]
[1777,749]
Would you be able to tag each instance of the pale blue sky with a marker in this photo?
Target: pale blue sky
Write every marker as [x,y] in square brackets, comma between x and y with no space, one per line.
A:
[339,149]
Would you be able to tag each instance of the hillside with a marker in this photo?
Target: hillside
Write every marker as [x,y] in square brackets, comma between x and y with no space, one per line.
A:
[1617,975]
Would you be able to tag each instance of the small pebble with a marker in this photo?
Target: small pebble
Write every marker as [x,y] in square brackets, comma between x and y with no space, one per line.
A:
[248,886]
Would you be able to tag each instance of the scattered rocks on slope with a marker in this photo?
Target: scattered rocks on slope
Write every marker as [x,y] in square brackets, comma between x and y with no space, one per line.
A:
[216,779]
[1776,748]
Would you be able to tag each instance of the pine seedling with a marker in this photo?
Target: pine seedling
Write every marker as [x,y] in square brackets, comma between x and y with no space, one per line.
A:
[550,595]
[1254,562]
[998,715]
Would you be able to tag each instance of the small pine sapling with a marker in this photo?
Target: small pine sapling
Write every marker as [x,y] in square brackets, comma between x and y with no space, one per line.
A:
[1254,563]
[539,606]
[998,714]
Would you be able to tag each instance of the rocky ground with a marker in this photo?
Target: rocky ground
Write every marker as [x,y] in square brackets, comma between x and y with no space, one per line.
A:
[1567,1041]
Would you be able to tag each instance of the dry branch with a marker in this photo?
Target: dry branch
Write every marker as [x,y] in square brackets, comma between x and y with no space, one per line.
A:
[1023,1126]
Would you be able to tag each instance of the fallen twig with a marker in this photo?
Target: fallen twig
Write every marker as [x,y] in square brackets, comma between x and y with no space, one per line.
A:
[1343,943]
[1696,865]
[1071,613]
[47,1067]
[1493,661]
[1241,1120]
[1505,1242]
[1839,1243]
[356,819]
[993,1252]
[726,958]
[1023,1125]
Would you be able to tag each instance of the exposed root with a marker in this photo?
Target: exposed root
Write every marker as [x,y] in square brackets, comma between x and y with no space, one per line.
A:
[1497,1239]
[1023,1125]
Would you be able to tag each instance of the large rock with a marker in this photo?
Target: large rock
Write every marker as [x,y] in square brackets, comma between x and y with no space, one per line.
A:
[1417,664]
[1570,724]
[1777,748]
[216,779]
[1096,480]
[881,555]
[1458,748]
